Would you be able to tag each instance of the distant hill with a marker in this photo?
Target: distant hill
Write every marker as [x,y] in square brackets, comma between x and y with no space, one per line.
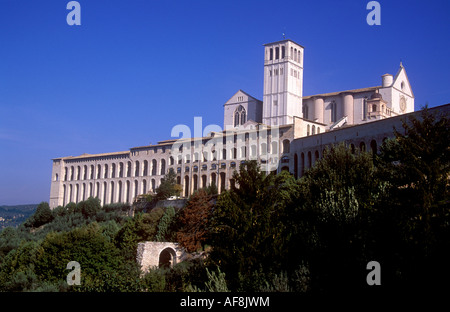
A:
[15,215]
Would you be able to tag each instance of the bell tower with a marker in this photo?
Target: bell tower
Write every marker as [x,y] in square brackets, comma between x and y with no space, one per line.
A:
[283,82]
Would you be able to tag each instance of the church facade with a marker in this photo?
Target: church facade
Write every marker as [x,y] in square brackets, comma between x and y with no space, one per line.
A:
[284,131]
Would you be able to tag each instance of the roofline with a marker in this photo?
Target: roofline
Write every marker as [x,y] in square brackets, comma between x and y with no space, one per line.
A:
[346,91]
[285,40]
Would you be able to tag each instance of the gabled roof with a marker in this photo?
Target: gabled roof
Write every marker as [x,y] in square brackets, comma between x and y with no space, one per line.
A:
[243,93]
[402,68]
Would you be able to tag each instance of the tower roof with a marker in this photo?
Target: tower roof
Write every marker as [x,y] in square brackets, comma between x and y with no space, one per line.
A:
[282,41]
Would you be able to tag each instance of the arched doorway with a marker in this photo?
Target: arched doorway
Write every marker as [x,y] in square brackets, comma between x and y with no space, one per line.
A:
[167,258]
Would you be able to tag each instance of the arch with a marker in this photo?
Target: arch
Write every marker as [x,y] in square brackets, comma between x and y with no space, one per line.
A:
[154,167]
[153,182]
[91,189]
[240,116]
[307,130]
[121,170]
[129,169]
[316,156]
[111,191]
[204,180]
[163,167]
[145,171]
[222,180]
[136,169]
[167,258]
[85,171]
[295,165]
[64,194]
[65,173]
[186,186]
[352,148]
[105,172]
[286,146]
[99,171]
[213,178]
[71,173]
[83,191]
[113,170]
[136,188]
[70,193]
[171,161]
[77,193]
[373,146]
[104,192]
[119,200]
[195,182]
[313,129]
[302,164]
[274,147]
[144,186]
[309,160]
[78,173]
[127,191]
[333,111]
[362,146]
[56,177]
[98,190]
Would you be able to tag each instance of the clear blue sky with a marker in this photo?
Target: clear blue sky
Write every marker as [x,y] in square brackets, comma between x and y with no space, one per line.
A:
[134,69]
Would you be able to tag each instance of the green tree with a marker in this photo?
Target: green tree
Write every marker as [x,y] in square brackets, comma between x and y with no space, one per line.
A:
[248,226]
[416,164]
[164,224]
[167,188]
[42,216]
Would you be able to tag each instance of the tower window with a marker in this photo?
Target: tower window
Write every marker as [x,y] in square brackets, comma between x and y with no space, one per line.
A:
[282,52]
[295,55]
[271,54]
[277,53]
[240,116]
[292,53]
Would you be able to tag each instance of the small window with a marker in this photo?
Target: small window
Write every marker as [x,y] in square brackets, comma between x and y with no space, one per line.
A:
[277,53]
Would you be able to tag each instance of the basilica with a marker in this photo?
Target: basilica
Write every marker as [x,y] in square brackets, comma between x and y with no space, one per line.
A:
[285,131]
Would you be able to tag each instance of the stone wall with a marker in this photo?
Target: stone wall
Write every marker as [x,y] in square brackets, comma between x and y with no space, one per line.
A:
[152,255]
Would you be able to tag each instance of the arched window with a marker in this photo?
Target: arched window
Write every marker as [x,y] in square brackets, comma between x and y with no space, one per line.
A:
[295,55]
[240,116]
[286,145]
[136,170]
[313,129]
[283,52]
[163,167]
[145,168]
[299,56]
[333,111]
[277,53]
[373,146]
[307,129]
[305,111]
[154,167]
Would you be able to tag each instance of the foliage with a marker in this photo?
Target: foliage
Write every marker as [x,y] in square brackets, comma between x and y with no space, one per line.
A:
[42,216]
[167,187]
[193,221]
[164,224]
[249,223]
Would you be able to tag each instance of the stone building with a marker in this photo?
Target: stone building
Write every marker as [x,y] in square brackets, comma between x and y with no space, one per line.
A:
[285,131]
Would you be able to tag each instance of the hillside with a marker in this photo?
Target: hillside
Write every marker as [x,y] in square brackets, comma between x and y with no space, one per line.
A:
[15,215]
